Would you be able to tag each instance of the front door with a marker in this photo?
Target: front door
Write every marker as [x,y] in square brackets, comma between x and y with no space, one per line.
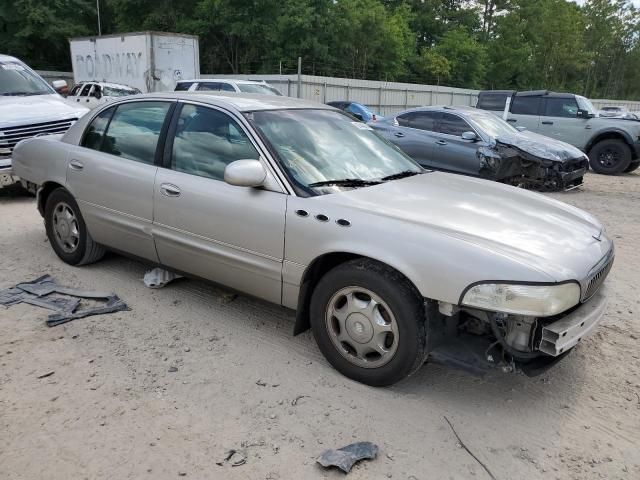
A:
[452,152]
[561,121]
[111,175]
[204,226]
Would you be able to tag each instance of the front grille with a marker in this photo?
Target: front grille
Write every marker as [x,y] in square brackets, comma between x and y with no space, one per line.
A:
[595,281]
[10,136]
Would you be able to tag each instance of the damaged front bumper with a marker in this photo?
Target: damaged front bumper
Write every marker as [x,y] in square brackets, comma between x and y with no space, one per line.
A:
[511,165]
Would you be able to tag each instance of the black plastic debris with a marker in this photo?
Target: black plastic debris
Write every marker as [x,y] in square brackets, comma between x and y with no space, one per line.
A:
[346,457]
[233,457]
[44,292]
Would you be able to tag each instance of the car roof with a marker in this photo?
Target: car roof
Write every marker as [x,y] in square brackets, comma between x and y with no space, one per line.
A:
[8,58]
[251,82]
[107,84]
[443,108]
[243,102]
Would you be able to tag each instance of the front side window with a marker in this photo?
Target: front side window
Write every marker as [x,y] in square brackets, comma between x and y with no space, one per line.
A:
[18,80]
[561,107]
[325,145]
[134,130]
[208,140]
[453,125]
[525,105]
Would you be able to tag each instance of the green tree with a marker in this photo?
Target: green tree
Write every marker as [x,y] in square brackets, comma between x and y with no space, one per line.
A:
[467,58]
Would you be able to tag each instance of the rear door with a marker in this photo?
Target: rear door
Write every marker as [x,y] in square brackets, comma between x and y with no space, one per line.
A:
[560,120]
[413,134]
[452,152]
[202,225]
[111,174]
[525,112]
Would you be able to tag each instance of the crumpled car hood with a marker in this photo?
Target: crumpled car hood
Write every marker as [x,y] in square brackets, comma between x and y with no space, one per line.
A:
[548,235]
[541,146]
[21,110]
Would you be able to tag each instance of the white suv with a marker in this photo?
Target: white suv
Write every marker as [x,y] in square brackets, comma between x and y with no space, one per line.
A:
[226,85]
[92,94]
[28,107]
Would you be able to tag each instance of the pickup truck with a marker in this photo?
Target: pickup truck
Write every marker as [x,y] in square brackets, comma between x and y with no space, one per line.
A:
[29,107]
[612,144]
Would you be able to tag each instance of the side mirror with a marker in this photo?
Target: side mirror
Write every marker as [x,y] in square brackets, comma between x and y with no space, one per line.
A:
[470,136]
[520,128]
[584,114]
[60,86]
[245,173]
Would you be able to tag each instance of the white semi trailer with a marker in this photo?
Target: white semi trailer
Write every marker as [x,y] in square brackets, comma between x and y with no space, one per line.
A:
[149,61]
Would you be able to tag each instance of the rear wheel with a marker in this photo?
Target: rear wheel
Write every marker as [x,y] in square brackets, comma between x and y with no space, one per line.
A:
[369,322]
[610,157]
[67,232]
[632,167]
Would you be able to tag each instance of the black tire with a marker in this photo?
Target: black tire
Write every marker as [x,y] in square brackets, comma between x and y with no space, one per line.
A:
[610,157]
[632,167]
[86,251]
[405,304]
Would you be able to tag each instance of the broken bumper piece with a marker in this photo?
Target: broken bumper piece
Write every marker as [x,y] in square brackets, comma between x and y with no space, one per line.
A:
[562,335]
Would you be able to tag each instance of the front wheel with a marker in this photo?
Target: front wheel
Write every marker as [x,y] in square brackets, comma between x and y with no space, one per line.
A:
[369,322]
[67,232]
[610,157]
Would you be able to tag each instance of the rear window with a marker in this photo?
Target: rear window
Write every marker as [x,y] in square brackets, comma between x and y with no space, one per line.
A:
[183,86]
[492,101]
[525,105]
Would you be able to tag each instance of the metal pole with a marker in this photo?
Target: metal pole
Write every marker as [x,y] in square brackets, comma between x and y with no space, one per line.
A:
[299,77]
[98,9]
[280,67]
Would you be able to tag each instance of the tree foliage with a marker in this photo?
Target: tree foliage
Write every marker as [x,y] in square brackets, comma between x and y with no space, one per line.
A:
[591,48]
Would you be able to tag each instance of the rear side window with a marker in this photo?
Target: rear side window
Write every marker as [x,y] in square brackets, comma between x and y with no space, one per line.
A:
[492,101]
[134,131]
[94,133]
[183,86]
[426,121]
[405,119]
[226,87]
[561,107]
[208,140]
[525,105]
[453,125]
[209,86]
[85,90]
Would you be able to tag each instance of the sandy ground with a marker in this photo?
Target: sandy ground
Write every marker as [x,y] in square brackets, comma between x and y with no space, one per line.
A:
[112,409]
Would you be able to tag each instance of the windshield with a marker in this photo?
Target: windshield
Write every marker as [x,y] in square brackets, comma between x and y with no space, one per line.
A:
[491,124]
[585,104]
[315,146]
[16,79]
[119,92]
[257,88]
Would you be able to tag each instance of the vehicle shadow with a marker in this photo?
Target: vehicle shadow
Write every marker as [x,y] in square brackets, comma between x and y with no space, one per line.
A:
[14,192]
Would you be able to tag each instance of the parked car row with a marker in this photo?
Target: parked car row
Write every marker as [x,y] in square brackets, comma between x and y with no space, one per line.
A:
[302,205]
[612,144]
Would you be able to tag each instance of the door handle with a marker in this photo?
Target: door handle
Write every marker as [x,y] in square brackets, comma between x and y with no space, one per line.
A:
[169,190]
[547,123]
[76,165]
[399,134]
[441,142]
[512,120]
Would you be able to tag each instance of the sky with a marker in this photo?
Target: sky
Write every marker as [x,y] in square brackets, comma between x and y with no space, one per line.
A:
[636,3]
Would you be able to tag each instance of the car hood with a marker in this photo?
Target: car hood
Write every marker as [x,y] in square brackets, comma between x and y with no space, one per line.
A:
[541,146]
[549,236]
[30,109]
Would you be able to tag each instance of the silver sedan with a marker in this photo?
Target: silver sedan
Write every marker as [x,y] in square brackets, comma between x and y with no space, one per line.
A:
[295,203]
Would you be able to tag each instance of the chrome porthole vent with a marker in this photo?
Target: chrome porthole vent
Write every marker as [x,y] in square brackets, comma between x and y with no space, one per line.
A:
[322,218]
[343,223]
[302,213]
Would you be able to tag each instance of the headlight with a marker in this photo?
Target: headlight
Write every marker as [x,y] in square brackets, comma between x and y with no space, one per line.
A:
[533,300]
